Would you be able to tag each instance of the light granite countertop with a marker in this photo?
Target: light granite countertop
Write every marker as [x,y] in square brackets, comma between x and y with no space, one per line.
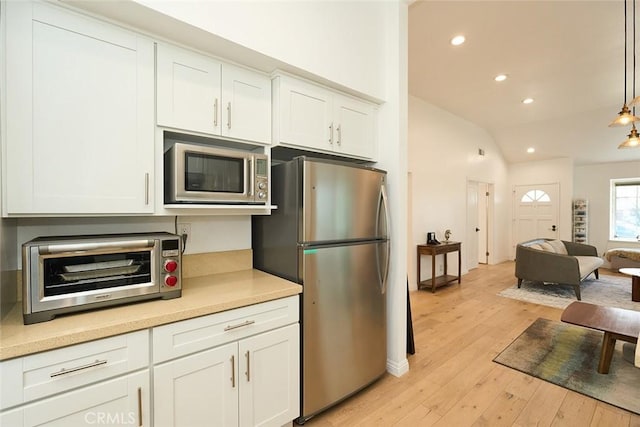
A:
[200,296]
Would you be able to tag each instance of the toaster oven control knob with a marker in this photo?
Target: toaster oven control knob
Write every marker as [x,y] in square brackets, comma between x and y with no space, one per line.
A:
[261,194]
[262,185]
[170,266]
[170,280]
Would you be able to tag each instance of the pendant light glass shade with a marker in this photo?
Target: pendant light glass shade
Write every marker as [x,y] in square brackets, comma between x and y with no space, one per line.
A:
[624,117]
[633,139]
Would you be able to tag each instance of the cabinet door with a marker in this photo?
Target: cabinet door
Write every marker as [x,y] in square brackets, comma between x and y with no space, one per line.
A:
[198,390]
[79,118]
[188,90]
[355,127]
[270,377]
[120,401]
[246,111]
[304,115]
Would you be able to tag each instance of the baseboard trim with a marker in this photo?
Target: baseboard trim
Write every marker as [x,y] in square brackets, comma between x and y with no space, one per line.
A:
[398,368]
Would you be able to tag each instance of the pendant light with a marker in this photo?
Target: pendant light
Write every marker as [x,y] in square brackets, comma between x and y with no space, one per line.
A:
[633,139]
[625,116]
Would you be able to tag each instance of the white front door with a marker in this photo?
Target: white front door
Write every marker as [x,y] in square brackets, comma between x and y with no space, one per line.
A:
[535,212]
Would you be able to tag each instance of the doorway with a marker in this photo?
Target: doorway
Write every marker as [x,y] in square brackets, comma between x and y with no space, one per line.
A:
[479,224]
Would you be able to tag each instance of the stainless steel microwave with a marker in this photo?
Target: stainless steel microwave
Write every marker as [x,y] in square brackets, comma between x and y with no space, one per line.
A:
[74,273]
[202,174]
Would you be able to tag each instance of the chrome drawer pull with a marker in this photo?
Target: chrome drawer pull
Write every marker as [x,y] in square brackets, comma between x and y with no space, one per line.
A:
[240,325]
[64,371]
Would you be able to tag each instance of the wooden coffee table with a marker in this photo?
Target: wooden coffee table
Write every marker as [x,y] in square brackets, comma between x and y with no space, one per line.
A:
[616,323]
[635,282]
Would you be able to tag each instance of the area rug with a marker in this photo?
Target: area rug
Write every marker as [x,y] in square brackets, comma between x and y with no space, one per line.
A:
[567,355]
[613,291]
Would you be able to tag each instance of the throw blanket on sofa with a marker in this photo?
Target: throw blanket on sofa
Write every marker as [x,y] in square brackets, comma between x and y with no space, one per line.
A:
[629,253]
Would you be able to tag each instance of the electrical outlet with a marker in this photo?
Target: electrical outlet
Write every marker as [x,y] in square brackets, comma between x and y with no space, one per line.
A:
[184,229]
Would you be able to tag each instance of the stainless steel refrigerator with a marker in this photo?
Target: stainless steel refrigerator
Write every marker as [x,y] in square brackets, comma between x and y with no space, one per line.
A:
[330,234]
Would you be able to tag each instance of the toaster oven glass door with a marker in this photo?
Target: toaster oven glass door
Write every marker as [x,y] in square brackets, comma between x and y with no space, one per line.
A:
[73,274]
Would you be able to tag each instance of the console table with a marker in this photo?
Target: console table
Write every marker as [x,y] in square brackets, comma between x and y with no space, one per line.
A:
[440,249]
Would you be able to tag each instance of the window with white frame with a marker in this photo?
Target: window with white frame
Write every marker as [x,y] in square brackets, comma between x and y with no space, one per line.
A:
[625,209]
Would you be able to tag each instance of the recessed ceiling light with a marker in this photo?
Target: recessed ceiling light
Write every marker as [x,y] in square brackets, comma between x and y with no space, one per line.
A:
[531,150]
[458,40]
[500,77]
[527,100]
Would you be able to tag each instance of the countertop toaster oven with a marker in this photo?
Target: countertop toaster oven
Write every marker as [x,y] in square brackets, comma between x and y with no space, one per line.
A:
[74,273]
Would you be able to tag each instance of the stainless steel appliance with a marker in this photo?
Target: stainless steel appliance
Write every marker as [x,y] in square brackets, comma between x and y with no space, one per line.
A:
[204,174]
[74,273]
[329,234]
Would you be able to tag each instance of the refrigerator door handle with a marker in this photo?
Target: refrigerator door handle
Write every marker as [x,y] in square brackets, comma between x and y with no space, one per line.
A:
[385,208]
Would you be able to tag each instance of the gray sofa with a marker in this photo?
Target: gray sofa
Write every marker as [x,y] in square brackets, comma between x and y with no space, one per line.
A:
[556,261]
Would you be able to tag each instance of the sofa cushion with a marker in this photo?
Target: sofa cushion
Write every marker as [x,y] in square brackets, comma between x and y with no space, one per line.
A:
[547,247]
[535,246]
[587,264]
[558,246]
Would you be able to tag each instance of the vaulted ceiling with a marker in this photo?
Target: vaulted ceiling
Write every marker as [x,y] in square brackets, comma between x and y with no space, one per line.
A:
[566,55]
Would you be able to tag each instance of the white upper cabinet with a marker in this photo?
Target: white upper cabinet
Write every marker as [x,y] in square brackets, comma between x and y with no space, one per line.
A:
[315,118]
[79,115]
[189,93]
[199,94]
[303,113]
[247,104]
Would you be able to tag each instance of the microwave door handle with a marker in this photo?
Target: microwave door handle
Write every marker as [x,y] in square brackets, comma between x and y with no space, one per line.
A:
[250,175]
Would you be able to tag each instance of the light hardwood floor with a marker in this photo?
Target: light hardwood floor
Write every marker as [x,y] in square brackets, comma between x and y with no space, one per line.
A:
[452,380]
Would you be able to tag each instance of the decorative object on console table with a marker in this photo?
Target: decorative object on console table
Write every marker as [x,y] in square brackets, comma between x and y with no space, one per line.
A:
[580,220]
[431,238]
[433,250]
[447,234]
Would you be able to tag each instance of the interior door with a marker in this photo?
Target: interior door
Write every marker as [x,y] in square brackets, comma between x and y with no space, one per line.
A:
[483,222]
[535,211]
[473,229]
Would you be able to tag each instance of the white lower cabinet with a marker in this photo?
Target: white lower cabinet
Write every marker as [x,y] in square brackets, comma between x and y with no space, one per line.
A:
[102,382]
[116,402]
[239,367]
[237,375]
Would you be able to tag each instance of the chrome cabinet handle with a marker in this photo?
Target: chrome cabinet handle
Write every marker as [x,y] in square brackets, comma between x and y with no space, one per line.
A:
[239,325]
[339,134]
[233,371]
[215,113]
[331,133]
[139,406]
[146,188]
[64,371]
[229,115]
[248,373]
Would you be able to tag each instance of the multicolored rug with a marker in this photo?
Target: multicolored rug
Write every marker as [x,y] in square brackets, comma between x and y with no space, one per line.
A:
[609,290]
[567,355]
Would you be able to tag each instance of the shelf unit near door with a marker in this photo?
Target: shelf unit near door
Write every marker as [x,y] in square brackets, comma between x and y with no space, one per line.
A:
[580,220]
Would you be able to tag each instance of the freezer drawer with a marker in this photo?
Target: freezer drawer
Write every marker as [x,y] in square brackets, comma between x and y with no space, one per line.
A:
[343,321]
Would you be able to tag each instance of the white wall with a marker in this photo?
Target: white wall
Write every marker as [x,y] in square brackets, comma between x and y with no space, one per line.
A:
[443,156]
[592,182]
[545,172]
[208,234]
[336,40]
[393,158]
